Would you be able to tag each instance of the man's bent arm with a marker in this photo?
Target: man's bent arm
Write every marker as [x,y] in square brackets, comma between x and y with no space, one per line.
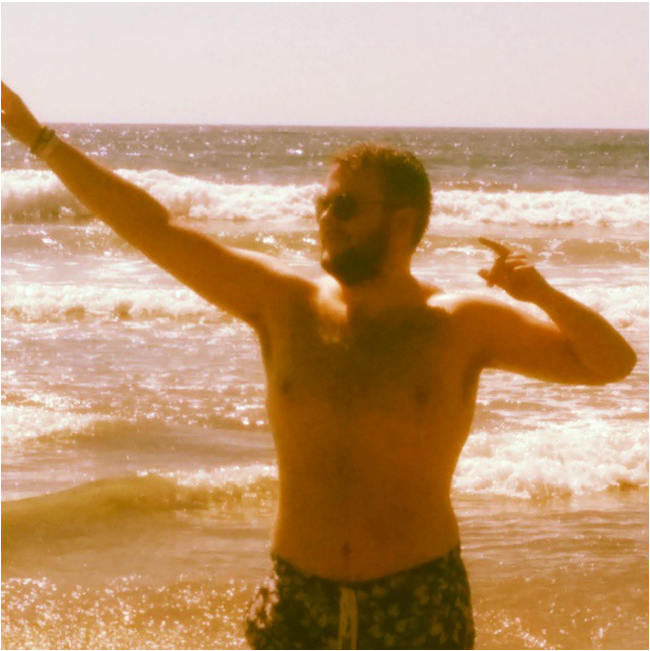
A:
[579,346]
[245,283]
[594,341]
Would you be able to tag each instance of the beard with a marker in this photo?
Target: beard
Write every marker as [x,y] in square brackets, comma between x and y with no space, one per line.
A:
[359,263]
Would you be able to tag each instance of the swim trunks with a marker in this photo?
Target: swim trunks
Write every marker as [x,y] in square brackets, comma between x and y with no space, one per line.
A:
[425,607]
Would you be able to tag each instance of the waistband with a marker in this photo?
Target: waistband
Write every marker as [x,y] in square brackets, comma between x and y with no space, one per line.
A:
[437,564]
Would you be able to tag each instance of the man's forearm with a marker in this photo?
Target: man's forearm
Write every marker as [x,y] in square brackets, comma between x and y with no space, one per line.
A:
[595,342]
[133,213]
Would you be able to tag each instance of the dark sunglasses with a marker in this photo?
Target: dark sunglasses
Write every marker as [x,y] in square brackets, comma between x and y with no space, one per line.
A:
[343,206]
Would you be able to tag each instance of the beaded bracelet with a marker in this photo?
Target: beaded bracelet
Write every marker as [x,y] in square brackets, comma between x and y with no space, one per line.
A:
[45,142]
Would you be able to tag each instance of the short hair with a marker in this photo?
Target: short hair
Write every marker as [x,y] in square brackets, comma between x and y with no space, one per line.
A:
[403,177]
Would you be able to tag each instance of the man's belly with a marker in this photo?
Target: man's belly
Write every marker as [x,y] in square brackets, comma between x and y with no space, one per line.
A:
[352,533]
[364,482]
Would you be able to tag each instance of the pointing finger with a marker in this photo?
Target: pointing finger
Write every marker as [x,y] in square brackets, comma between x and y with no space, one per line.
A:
[499,249]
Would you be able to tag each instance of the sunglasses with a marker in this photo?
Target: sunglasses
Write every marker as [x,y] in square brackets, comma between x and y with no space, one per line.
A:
[343,206]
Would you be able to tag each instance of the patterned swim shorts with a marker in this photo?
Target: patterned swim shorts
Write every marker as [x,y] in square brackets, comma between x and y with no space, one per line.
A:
[425,607]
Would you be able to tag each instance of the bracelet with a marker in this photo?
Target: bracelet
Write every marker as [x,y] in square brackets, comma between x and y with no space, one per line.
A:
[46,141]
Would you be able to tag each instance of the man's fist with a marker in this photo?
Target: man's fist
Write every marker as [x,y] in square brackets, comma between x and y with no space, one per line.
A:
[513,272]
[17,119]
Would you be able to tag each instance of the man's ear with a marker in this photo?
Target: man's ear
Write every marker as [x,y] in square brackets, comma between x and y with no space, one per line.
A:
[403,226]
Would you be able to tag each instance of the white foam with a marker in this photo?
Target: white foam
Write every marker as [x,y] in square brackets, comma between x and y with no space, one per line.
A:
[561,459]
[541,209]
[38,195]
[199,199]
[224,476]
[21,423]
[39,302]
[571,458]
[254,485]
[625,307]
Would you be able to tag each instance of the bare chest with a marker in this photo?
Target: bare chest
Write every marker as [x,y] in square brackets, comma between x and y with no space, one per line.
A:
[401,360]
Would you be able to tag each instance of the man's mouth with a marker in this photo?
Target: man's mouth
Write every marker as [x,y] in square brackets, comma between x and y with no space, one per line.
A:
[331,237]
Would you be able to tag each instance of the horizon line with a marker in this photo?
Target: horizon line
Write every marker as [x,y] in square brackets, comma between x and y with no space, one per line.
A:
[348,126]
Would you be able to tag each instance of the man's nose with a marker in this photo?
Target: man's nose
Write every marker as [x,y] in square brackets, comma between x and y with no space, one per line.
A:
[326,215]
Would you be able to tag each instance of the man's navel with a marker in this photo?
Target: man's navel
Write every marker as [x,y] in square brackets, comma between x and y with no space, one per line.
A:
[421,395]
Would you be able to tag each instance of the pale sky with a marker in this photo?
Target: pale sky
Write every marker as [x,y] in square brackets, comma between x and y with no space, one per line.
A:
[426,64]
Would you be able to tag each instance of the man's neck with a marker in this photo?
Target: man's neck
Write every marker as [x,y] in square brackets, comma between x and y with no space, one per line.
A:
[379,294]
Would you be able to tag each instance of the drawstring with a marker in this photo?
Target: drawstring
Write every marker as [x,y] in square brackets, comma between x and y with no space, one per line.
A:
[348,618]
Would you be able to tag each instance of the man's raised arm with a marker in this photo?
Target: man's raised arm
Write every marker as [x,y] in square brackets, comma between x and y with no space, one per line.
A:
[578,346]
[247,284]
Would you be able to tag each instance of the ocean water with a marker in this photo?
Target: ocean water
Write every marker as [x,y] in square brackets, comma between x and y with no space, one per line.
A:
[138,474]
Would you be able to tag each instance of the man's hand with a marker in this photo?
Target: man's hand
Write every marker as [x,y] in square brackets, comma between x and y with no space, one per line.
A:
[513,272]
[17,119]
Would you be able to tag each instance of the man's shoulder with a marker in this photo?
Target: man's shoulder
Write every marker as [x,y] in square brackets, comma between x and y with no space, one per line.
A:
[472,310]
[459,302]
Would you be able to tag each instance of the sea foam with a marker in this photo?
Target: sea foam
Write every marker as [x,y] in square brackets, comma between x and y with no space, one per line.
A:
[586,455]
[36,196]
[41,302]
[542,209]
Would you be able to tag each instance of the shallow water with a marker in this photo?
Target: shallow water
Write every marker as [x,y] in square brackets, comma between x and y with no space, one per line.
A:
[550,574]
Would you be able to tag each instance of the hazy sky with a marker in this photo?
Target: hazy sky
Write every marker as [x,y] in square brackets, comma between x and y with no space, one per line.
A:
[426,64]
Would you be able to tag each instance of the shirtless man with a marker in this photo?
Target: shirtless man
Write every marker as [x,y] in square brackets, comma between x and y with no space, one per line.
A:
[371,378]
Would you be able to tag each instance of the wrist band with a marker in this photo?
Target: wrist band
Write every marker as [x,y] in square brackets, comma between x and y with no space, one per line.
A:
[45,143]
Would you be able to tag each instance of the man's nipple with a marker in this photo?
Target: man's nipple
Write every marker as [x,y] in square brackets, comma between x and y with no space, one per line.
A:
[421,395]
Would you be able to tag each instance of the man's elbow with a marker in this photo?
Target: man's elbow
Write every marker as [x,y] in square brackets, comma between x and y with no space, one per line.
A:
[618,369]
[627,364]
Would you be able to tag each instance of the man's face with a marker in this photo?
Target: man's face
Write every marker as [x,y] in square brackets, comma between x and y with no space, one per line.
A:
[353,226]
